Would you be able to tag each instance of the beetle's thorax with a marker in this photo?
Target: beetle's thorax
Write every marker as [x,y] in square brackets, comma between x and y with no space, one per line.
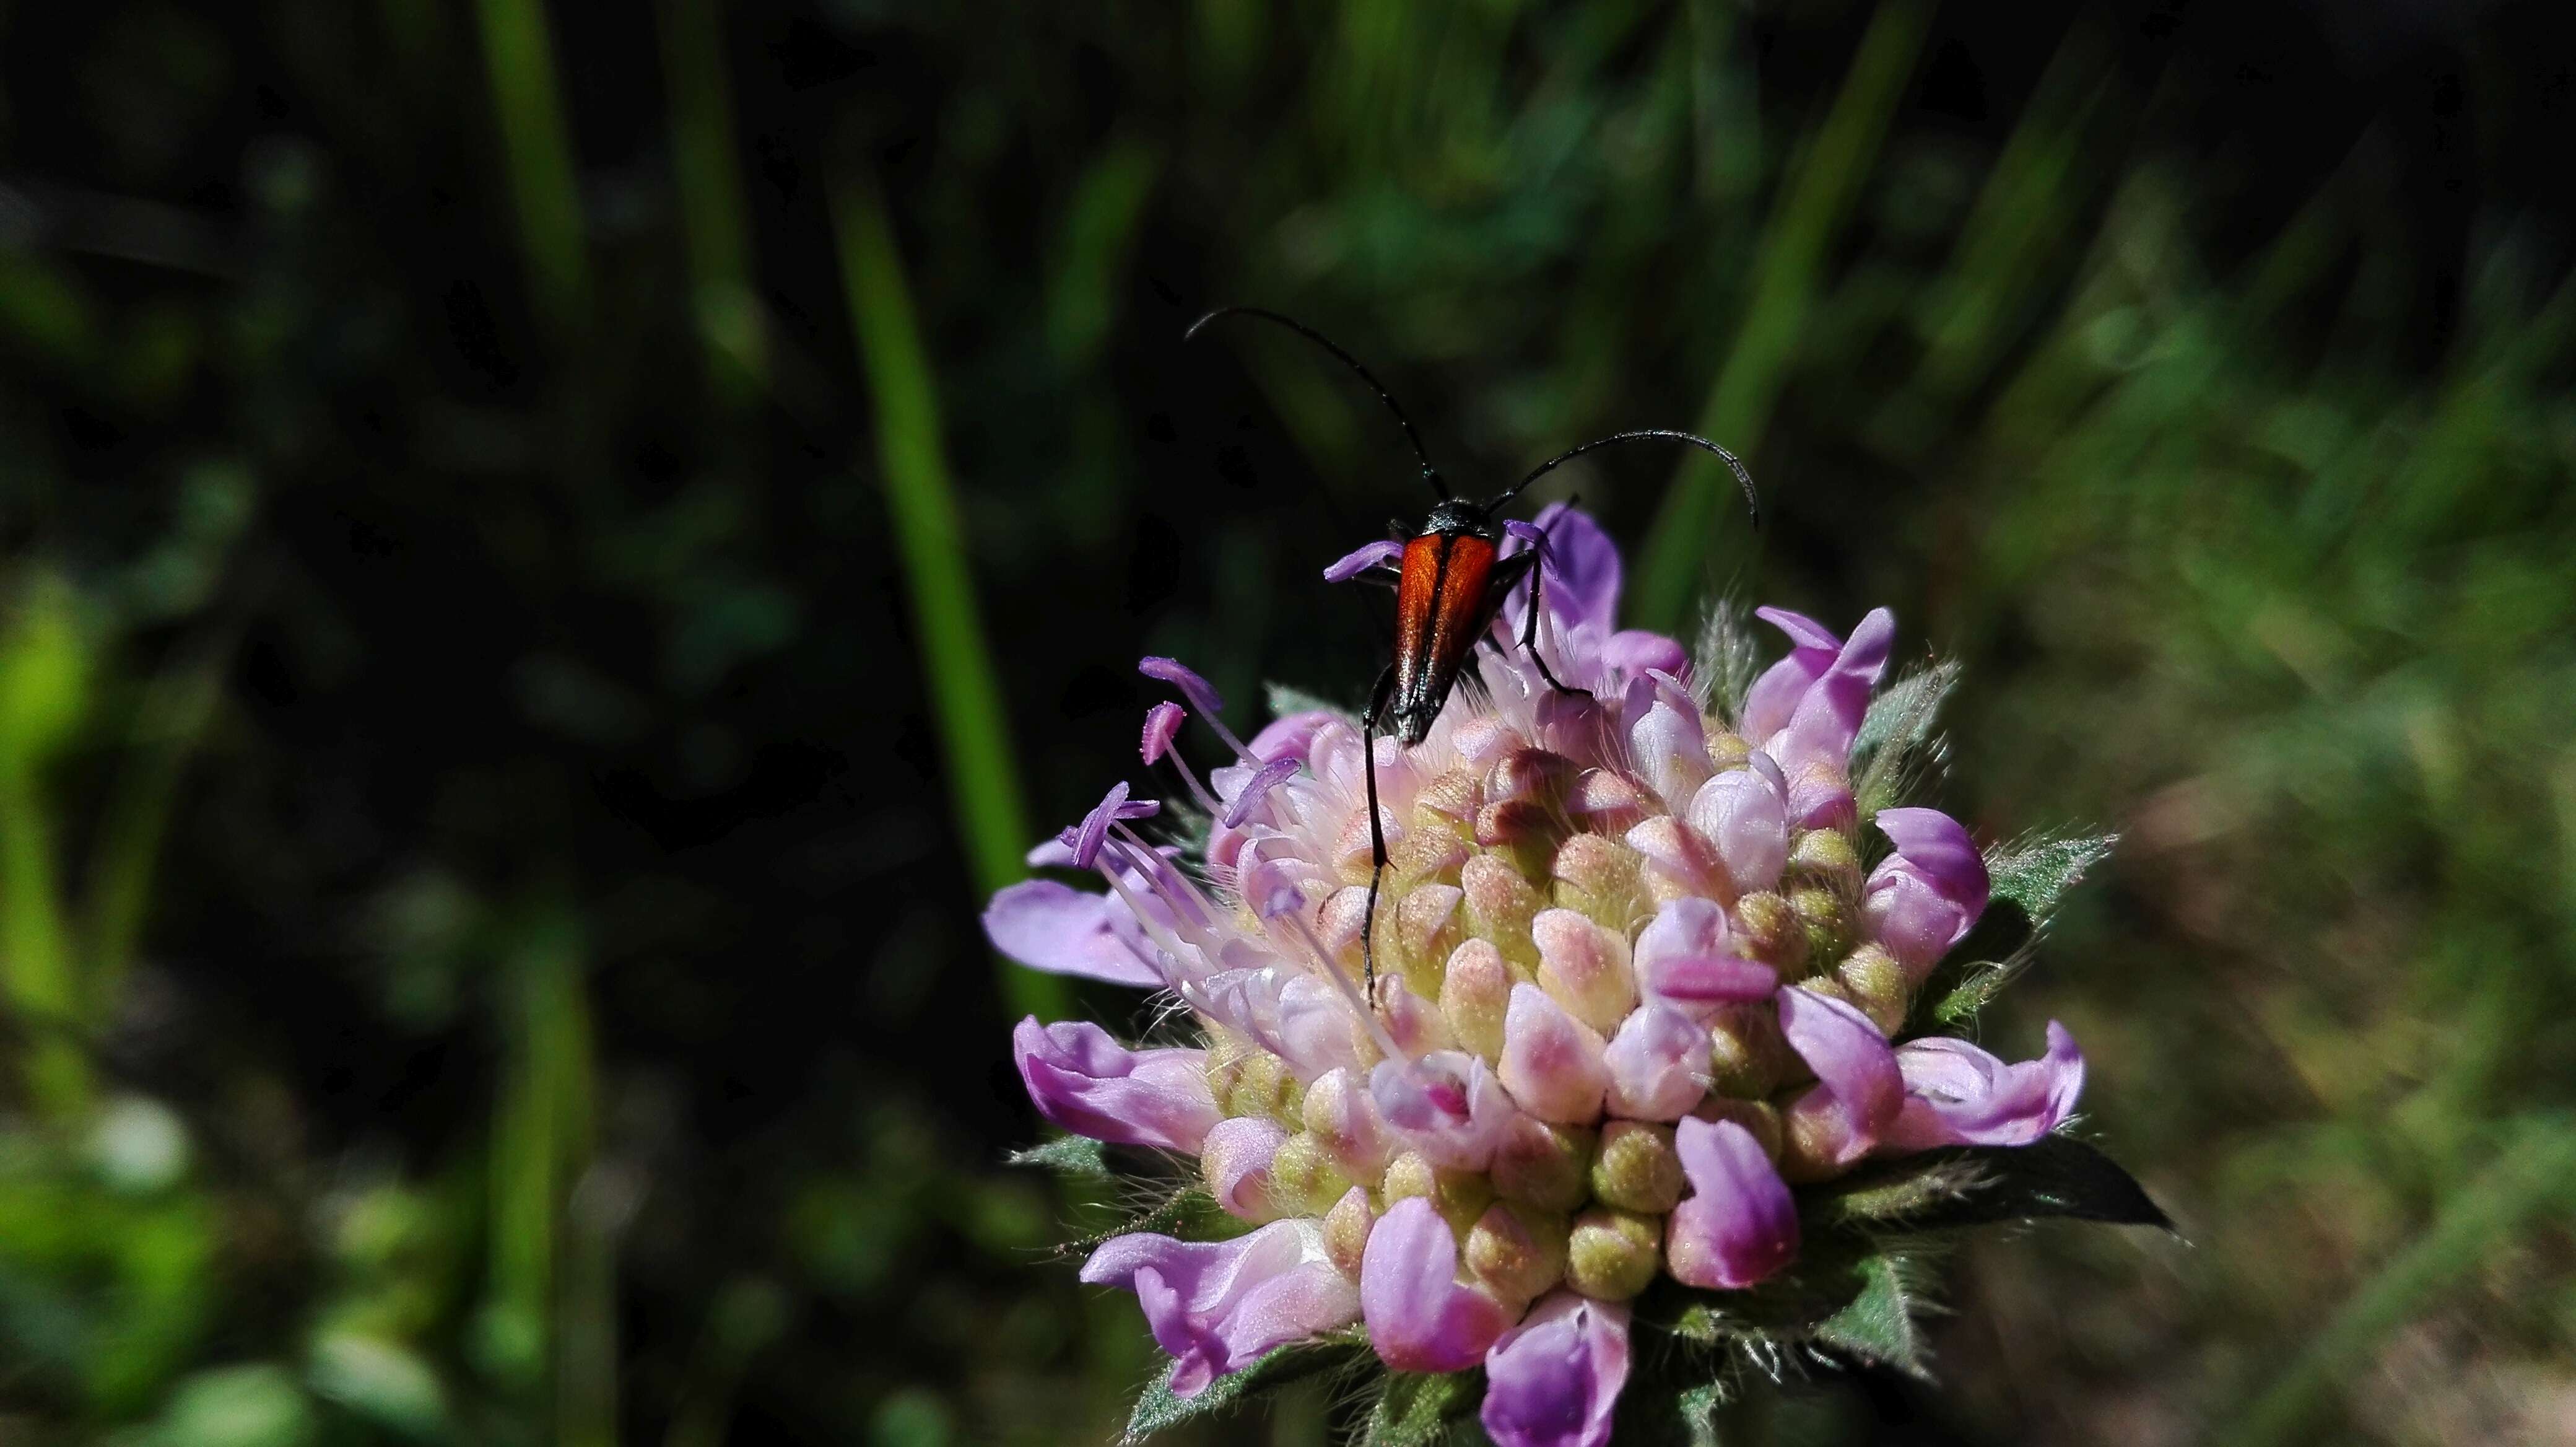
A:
[1457,517]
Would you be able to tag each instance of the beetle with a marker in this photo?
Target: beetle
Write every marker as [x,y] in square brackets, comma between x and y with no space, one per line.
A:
[1451,578]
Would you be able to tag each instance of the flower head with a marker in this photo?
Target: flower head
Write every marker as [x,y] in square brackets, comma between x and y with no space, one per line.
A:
[1638,989]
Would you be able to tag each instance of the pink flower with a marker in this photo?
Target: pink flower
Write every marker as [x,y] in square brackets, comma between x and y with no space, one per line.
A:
[1081,1079]
[1927,896]
[1957,1094]
[1858,1089]
[1419,1317]
[1554,1380]
[1738,1225]
[1217,1306]
[1684,960]
[1552,1062]
[1658,1065]
[1446,1105]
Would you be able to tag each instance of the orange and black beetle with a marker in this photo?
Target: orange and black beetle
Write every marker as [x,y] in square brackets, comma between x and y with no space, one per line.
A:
[1450,577]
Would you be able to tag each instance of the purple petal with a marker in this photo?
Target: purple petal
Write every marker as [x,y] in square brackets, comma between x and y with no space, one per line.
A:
[1926,898]
[1958,1095]
[1446,1105]
[1217,1306]
[1634,651]
[1063,931]
[1192,687]
[1552,1063]
[1744,813]
[1859,1089]
[1382,553]
[1666,738]
[1683,960]
[1554,1380]
[1774,696]
[1739,1224]
[1419,1318]
[1291,736]
[1162,722]
[1085,1081]
[1829,714]
[1582,583]
[1659,1065]
[1236,1158]
[1317,1031]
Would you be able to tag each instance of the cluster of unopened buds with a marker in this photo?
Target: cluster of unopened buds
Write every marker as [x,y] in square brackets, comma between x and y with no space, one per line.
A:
[1636,978]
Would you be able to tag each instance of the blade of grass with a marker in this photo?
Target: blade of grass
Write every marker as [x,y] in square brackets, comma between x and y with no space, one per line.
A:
[1823,185]
[2534,1172]
[705,164]
[537,153]
[173,720]
[956,662]
[44,670]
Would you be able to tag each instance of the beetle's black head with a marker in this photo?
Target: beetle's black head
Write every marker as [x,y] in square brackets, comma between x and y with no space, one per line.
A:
[1457,517]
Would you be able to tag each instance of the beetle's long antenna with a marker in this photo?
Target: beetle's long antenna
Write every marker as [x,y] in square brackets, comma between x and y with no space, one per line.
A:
[1430,474]
[1734,464]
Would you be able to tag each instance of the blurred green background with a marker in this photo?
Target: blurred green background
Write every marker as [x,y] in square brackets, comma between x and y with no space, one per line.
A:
[550,556]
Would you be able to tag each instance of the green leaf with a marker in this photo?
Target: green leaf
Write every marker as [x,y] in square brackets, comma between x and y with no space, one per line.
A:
[1071,1155]
[2057,1176]
[1903,716]
[1189,1213]
[1425,1410]
[1285,701]
[1158,1410]
[1921,1186]
[1978,984]
[2037,873]
[1879,1324]
[1897,740]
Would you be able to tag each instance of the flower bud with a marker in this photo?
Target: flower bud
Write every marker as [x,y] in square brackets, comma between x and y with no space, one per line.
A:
[1346,1231]
[1535,774]
[1475,992]
[1422,853]
[1679,863]
[1612,1254]
[1603,802]
[1500,906]
[1263,1086]
[1820,797]
[1875,982]
[1414,1023]
[1236,1161]
[1343,1120]
[1481,740]
[1517,1251]
[1543,1165]
[1338,924]
[1757,1117]
[1449,801]
[1459,1196]
[1584,968]
[1553,1064]
[1601,879]
[1304,1181]
[1727,751]
[1748,1056]
[1825,918]
[1827,856]
[1427,928]
[1769,930]
[1637,1168]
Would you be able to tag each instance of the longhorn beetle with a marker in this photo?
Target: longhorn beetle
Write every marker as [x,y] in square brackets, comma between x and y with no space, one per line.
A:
[1449,588]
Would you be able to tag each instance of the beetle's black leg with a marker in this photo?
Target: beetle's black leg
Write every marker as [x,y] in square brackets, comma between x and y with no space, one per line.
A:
[1369,721]
[1529,629]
